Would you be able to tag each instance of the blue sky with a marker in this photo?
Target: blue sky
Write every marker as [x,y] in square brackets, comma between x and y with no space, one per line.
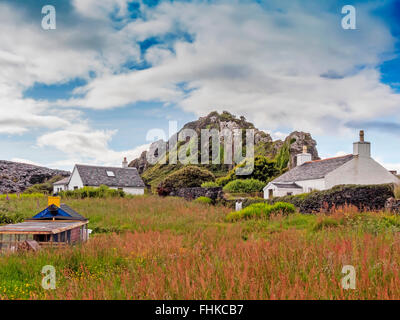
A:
[89,91]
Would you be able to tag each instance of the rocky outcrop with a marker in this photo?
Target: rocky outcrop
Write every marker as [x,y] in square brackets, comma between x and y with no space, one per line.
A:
[16,177]
[297,140]
[264,145]
[141,163]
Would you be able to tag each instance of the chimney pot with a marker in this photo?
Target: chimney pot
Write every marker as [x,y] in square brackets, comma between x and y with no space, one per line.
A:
[303,157]
[125,163]
[361,135]
[362,148]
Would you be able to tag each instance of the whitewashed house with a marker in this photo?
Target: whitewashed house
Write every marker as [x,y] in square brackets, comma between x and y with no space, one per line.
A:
[61,185]
[121,178]
[357,168]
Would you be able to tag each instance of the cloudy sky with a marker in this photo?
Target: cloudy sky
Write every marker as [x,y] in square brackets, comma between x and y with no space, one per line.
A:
[89,91]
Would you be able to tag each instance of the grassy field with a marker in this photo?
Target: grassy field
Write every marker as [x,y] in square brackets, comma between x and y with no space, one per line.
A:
[154,248]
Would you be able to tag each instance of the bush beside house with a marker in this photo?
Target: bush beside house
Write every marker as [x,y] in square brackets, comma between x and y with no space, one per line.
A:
[187,177]
[244,186]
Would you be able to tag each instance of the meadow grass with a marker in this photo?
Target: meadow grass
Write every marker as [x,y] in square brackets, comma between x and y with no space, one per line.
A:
[167,248]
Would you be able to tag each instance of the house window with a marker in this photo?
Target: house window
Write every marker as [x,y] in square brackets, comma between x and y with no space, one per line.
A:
[75,188]
[289,193]
[121,189]
[110,174]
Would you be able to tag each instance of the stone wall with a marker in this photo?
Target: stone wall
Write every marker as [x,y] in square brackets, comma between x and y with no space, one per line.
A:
[364,197]
[393,205]
[194,193]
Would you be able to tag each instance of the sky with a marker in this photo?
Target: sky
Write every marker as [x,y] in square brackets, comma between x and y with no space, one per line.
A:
[90,90]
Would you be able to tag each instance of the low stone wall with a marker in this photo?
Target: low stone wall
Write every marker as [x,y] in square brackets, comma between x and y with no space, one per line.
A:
[364,197]
[194,193]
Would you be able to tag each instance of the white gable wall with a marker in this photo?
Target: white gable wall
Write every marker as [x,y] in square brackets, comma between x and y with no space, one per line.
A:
[75,180]
[360,170]
[312,184]
[280,192]
[59,187]
[307,186]
[131,190]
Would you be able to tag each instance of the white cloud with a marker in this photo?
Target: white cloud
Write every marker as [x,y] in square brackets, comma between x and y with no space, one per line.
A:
[290,66]
[295,68]
[82,144]
[277,135]
[340,154]
[26,161]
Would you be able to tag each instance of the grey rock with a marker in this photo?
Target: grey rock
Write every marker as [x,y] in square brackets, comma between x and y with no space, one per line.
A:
[16,177]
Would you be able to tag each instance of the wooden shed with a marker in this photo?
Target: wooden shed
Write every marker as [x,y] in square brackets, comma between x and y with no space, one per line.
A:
[55,226]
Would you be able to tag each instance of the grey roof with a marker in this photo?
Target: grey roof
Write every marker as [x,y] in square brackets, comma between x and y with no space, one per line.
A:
[313,169]
[96,176]
[61,182]
[291,185]
[47,227]
[74,215]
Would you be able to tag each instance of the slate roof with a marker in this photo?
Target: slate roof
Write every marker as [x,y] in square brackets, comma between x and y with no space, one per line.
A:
[63,213]
[32,227]
[313,169]
[62,182]
[96,176]
[287,185]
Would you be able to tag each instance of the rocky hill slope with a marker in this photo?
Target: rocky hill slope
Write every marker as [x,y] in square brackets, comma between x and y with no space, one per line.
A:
[16,177]
[282,151]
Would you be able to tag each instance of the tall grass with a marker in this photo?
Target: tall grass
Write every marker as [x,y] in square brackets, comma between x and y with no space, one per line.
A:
[167,248]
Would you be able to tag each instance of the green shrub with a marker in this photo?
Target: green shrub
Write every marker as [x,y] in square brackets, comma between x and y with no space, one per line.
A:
[209,184]
[91,192]
[264,170]
[325,223]
[13,196]
[283,208]
[244,186]
[223,181]
[261,210]
[45,187]
[205,200]
[187,177]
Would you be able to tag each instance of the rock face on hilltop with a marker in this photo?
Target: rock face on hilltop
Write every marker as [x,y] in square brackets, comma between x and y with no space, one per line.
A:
[285,150]
[296,141]
[16,177]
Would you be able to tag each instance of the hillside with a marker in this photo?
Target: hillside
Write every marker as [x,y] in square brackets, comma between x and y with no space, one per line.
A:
[16,177]
[283,152]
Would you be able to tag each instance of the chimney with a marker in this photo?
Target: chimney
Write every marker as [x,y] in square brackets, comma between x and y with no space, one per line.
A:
[125,163]
[303,157]
[362,148]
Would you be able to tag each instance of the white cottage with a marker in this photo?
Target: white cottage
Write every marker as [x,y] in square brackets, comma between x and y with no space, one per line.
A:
[60,185]
[123,178]
[356,168]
